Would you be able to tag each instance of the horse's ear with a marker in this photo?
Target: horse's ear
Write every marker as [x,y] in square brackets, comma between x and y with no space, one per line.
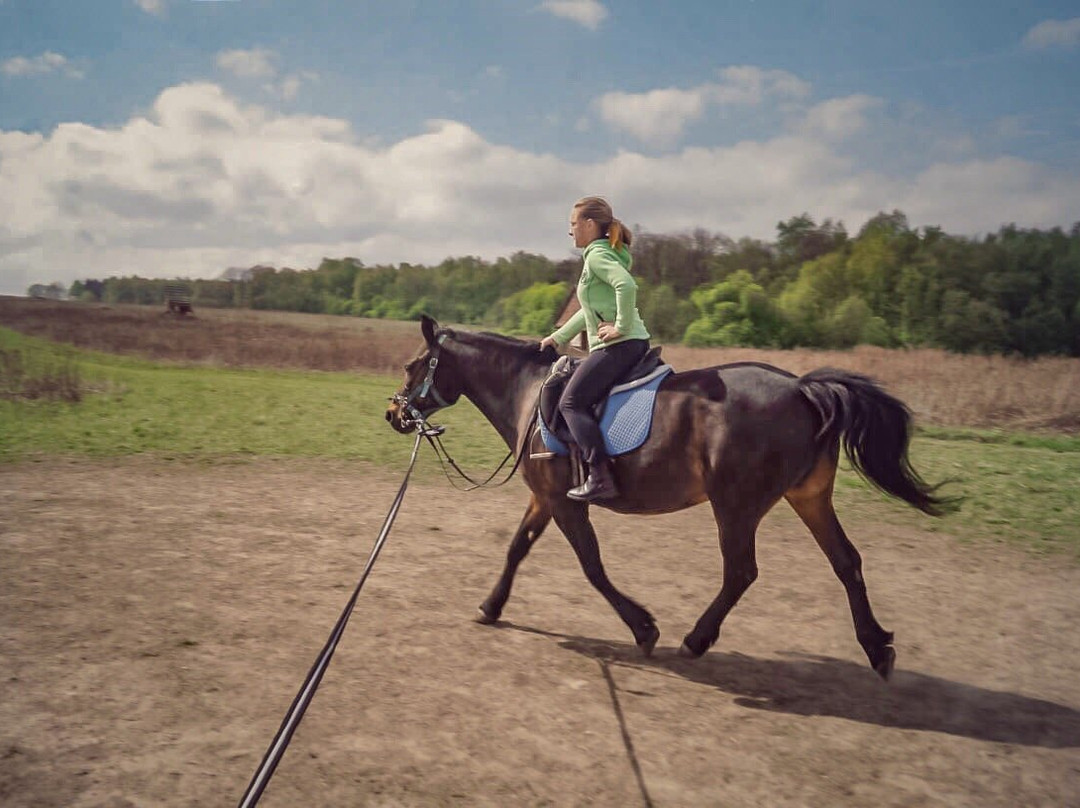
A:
[428,327]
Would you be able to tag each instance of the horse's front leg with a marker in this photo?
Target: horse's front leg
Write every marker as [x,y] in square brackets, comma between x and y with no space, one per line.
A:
[573,519]
[536,518]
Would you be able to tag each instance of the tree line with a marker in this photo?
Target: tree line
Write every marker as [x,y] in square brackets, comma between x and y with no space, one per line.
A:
[1016,291]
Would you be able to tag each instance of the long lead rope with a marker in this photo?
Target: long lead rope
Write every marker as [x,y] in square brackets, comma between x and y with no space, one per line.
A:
[307,691]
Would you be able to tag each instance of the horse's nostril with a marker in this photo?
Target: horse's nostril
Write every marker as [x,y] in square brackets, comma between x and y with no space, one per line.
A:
[389,416]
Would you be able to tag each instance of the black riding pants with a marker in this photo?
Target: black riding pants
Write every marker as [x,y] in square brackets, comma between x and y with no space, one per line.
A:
[600,371]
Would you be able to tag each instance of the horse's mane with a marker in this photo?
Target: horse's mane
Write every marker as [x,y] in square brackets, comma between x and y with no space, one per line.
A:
[523,350]
[749,363]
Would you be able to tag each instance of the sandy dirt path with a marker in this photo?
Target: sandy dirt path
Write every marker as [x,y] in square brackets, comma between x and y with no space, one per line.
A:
[157,618]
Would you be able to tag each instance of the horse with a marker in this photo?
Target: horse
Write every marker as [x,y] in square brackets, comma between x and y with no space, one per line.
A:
[741,435]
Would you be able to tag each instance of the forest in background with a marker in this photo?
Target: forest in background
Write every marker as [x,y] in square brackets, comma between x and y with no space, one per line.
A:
[1016,291]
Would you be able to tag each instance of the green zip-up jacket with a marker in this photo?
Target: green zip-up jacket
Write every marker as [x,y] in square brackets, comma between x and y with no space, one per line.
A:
[605,290]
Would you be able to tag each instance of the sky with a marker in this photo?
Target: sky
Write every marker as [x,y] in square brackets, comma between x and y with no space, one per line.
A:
[178,138]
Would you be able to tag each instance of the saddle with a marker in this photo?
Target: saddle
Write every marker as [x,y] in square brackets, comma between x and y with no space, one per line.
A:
[552,431]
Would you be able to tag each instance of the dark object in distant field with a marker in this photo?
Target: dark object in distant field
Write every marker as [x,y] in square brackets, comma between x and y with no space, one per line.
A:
[178,299]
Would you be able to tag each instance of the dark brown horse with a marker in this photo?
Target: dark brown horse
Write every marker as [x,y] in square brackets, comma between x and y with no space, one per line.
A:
[740,436]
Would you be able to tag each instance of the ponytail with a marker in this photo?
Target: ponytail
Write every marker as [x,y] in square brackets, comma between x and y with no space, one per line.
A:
[619,234]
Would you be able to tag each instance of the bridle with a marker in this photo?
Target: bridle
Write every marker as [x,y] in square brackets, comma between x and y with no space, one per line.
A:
[413,416]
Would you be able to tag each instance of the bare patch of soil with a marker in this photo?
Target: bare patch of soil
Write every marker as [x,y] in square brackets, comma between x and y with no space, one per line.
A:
[157,619]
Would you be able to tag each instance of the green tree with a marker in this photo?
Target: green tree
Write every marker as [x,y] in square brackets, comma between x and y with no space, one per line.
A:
[801,239]
[666,315]
[970,325]
[1040,329]
[755,256]
[531,311]
[51,291]
[853,322]
[734,312]
[679,261]
[808,302]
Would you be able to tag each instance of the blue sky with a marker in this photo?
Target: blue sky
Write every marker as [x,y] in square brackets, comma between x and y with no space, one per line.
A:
[181,137]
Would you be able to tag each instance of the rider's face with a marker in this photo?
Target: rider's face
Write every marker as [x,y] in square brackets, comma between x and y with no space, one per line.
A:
[583,231]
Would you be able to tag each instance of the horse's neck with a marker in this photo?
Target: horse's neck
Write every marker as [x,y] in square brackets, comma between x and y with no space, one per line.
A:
[505,391]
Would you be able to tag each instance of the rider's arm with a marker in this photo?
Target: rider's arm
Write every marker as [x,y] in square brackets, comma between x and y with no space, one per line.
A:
[571,328]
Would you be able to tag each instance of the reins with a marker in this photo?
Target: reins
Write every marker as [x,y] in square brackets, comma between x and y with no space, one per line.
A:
[442,454]
[432,434]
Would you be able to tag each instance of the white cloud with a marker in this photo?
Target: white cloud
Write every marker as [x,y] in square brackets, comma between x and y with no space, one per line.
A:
[47,62]
[747,84]
[840,118]
[256,63]
[260,63]
[659,117]
[1054,34]
[981,194]
[151,6]
[289,87]
[588,13]
[203,182]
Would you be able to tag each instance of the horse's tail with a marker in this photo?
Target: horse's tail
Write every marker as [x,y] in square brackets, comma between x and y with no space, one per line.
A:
[875,429]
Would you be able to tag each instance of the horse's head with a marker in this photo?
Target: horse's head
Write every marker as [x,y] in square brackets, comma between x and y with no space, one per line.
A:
[430,384]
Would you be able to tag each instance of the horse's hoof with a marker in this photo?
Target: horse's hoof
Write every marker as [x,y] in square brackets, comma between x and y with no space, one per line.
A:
[884,666]
[687,652]
[649,643]
[484,619]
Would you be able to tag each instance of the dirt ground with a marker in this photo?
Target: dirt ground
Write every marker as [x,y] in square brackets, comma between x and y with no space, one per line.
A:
[157,618]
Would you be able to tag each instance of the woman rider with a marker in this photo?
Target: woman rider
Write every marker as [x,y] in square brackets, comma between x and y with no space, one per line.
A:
[617,336]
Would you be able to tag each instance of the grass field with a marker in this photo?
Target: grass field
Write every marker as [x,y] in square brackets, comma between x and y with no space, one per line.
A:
[992,394]
[1018,485]
[193,412]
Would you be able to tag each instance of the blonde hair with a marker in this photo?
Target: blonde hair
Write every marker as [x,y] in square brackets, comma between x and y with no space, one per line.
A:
[598,209]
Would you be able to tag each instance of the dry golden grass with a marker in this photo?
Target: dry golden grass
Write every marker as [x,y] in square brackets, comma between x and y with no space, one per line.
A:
[225,337]
[942,389]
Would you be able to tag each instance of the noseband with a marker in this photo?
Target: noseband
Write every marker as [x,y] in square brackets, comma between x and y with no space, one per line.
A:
[424,390]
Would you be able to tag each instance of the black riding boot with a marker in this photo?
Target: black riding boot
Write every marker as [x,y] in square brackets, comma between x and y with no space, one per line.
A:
[599,486]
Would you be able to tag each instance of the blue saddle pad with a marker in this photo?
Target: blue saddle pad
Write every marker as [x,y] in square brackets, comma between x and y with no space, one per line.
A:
[627,418]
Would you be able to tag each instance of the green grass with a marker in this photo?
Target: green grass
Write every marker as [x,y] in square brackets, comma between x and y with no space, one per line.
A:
[1019,488]
[197,412]
[1040,440]
[33,370]
[1015,493]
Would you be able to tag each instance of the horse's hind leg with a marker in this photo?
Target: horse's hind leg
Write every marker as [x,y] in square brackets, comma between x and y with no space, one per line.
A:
[812,501]
[536,518]
[573,519]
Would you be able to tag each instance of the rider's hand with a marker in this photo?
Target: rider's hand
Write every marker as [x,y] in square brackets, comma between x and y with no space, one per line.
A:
[607,332]
[548,342]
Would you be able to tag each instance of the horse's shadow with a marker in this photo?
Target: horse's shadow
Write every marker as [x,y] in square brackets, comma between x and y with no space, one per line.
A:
[802,684]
